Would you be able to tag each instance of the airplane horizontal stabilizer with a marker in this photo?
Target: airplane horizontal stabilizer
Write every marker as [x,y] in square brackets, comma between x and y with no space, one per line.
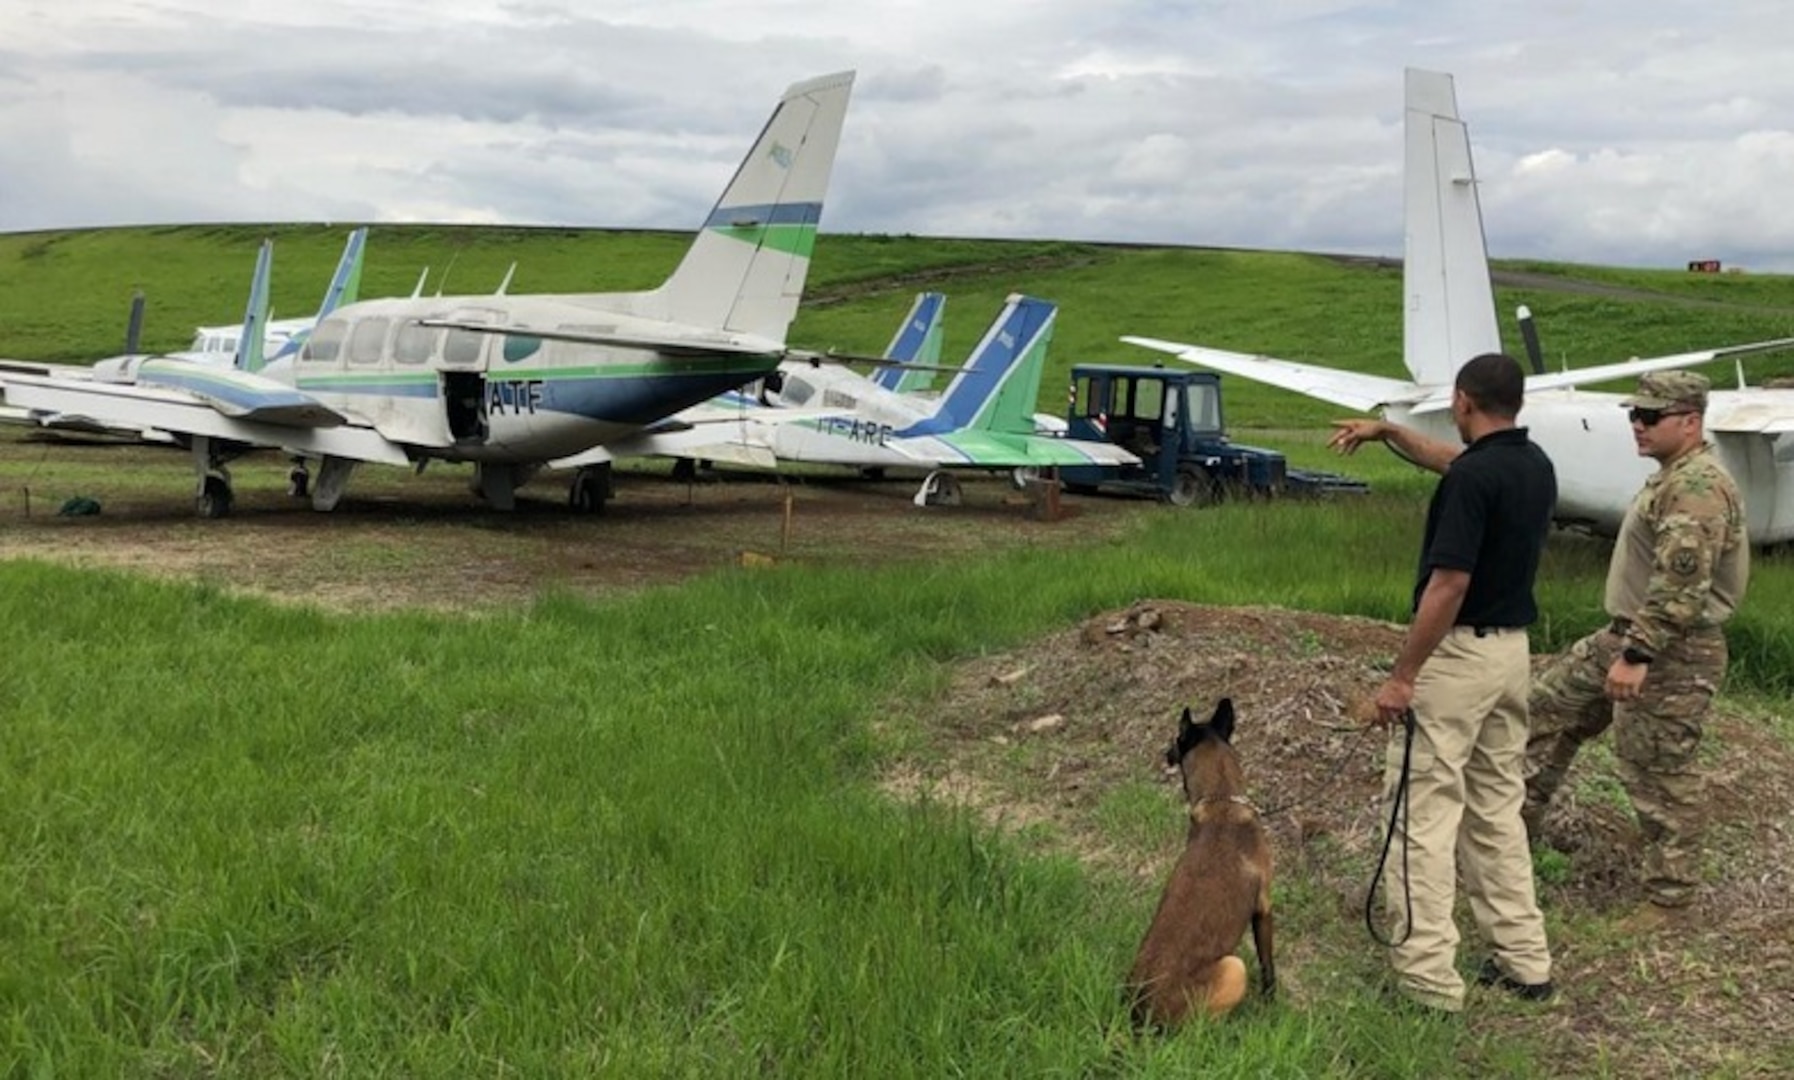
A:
[1350,389]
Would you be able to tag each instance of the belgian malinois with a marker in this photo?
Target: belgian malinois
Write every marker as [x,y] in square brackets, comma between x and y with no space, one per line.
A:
[1221,882]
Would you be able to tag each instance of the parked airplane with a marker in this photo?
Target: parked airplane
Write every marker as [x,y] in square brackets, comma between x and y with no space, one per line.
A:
[833,416]
[507,383]
[1450,317]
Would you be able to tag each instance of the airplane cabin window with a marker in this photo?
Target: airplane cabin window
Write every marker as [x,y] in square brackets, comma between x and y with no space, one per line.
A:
[326,342]
[415,344]
[462,347]
[520,348]
[796,391]
[368,341]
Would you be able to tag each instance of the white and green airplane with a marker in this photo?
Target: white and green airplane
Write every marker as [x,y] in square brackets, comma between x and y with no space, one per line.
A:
[830,415]
[510,384]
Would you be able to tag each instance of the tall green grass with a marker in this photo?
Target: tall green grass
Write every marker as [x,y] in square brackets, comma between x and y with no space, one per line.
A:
[629,838]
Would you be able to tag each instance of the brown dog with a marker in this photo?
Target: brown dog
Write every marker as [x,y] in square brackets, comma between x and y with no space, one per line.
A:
[1221,882]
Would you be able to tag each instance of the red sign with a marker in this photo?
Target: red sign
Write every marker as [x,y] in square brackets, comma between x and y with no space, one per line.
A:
[1703,266]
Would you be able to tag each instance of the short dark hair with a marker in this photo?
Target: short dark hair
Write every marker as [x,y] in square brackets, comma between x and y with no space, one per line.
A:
[1494,383]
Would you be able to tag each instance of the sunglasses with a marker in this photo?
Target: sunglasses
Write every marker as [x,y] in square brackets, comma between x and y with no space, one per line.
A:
[1651,417]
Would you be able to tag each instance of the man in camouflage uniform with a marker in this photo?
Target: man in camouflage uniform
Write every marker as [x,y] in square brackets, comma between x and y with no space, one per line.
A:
[1678,572]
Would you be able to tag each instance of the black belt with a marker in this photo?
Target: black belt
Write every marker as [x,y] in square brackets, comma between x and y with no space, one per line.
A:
[1486,631]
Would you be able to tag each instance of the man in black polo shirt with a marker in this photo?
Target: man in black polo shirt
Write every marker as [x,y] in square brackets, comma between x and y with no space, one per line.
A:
[1464,670]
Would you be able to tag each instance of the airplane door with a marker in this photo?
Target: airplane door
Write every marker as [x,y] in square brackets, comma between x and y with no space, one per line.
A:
[464,402]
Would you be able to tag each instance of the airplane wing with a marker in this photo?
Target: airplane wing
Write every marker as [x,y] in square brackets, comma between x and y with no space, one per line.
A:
[1635,366]
[706,442]
[280,417]
[1350,389]
[671,345]
[1001,450]
[1631,368]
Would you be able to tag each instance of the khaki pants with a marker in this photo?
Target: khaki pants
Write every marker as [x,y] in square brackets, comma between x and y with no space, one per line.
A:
[1464,795]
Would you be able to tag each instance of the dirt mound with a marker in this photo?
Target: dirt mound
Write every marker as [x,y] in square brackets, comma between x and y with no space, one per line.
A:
[1057,733]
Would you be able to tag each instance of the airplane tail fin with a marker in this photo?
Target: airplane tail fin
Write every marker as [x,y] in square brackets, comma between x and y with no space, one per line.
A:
[344,288]
[997,389]
[918,341]
[1450,313]
[345,282]
[745,271]
[255,316]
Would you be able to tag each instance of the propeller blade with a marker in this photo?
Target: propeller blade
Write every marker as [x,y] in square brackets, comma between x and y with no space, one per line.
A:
[1530,334]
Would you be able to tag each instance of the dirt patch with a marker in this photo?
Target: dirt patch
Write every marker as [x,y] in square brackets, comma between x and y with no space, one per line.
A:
[405,540]
[1057,732]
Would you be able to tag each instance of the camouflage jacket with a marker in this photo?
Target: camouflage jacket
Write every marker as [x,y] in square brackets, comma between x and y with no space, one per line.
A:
[1682,558]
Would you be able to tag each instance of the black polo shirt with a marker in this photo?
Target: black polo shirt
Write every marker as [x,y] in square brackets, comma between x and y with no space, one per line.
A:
[1489,516]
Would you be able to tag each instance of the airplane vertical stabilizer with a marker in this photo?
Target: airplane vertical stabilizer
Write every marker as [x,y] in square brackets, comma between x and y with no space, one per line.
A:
[992,392]
[745,271]
[1450,314]
[917,341]
[251,341]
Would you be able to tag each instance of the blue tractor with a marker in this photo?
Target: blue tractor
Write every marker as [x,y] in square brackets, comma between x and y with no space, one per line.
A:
[1172,421]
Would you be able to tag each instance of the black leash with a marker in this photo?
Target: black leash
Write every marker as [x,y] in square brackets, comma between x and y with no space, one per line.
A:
[1398,805]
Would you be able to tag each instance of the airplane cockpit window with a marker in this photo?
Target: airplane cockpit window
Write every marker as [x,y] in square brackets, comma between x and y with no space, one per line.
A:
[415,344]
[326,342]
[368,341]
[796,391]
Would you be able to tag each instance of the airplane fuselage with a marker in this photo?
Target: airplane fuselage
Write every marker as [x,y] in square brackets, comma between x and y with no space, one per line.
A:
[463,395]
[1589,440]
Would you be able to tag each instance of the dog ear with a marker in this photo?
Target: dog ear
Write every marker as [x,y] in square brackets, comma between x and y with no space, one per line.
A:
[1223,720]
[1186,727]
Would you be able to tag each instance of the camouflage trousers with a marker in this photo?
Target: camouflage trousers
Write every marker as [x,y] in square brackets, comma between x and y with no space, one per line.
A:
[1655,739]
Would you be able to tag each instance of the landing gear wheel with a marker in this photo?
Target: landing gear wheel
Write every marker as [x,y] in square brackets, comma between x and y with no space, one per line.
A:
[685,470]
[943,490]
[214,498]
[299,482]
[589,490]
[1191,487]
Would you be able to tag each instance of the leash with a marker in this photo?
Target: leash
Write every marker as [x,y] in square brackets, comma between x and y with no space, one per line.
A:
[1397,805]
[1326,790]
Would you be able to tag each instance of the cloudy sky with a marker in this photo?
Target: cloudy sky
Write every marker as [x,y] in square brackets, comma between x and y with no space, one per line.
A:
[1640,133]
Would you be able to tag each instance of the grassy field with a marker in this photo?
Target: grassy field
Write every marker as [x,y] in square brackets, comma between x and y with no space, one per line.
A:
[642,835]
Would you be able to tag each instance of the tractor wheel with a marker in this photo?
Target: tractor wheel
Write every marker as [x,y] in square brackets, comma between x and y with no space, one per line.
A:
[1191,487]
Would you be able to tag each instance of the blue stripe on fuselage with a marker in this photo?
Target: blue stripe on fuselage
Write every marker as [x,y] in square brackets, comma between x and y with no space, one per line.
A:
[725,217]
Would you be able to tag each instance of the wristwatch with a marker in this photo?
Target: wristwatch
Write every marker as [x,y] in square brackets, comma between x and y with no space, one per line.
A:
[1635,655]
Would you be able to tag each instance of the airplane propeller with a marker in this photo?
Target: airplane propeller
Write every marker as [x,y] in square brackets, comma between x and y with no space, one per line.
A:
[134,324]
[1530,335]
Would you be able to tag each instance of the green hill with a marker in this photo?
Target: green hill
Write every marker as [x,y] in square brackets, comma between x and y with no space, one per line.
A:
[64,295]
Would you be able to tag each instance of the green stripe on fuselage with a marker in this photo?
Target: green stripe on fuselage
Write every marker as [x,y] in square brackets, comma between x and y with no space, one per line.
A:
[790,239]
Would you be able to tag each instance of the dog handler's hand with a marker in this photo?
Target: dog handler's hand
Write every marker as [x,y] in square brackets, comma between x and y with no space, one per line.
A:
[1349,435]
[1394,698]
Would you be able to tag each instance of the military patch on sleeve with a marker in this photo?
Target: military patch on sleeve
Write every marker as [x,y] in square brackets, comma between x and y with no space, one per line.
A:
[1684,563]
